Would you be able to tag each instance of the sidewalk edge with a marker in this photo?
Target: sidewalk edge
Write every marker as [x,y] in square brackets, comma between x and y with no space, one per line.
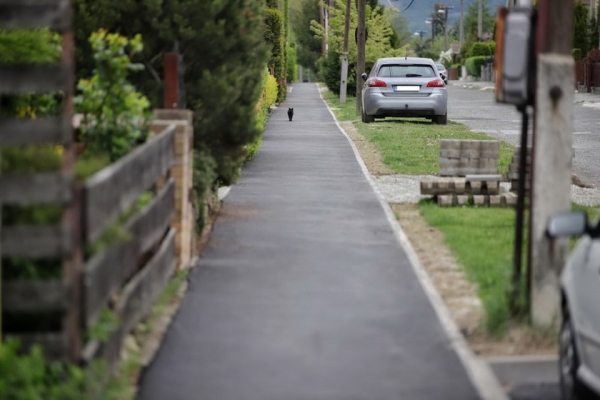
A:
[477,369]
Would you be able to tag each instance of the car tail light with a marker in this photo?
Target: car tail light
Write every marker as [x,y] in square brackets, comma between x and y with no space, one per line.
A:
[436,83]
[377,83]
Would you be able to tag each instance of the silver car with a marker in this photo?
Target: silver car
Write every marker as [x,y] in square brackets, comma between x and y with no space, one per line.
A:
[404,87]
[579,340]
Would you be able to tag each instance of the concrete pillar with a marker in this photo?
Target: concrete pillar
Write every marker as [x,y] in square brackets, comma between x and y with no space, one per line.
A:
[552,166]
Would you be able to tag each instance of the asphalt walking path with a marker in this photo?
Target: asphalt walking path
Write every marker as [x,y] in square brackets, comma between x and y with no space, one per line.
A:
[304,292]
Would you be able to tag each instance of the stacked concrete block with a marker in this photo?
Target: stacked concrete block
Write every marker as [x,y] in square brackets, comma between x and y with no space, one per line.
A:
[506,199]
[468,175]
[452,185]
[513,169]
[468,157]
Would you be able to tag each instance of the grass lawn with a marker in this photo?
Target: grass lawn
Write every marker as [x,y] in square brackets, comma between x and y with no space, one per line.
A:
[411,145]
[481,238]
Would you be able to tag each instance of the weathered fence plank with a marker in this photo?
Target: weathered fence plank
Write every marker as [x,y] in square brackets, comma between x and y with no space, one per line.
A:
[138,297]
[53,14]
[114,189]
[144,289]
[34,296]
[104,275]
[38,188]
[54,345]
[17,132]
[34,242]
[106,272]
[152,222]
[20,79]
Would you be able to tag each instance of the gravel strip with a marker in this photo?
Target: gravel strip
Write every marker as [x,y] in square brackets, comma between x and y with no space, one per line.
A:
[406,189]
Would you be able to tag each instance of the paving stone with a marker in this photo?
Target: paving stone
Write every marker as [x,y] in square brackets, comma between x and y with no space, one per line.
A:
[474,187]
[462,199]
[480,200]
[492,187]
[427,186]
[495,201]
[445,200]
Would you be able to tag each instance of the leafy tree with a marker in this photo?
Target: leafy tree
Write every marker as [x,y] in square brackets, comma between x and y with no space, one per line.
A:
[580,26]
[378,43]
[115,114]
[470,26]
[276,40]
[224,54]
[308,47]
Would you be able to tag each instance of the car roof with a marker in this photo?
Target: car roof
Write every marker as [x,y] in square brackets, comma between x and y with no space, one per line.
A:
[402,60]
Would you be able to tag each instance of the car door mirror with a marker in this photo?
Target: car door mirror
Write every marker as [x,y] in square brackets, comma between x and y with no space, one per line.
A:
[567,224]
[364,76]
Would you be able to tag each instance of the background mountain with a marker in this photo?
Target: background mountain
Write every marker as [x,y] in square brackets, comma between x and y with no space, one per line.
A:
[420,10]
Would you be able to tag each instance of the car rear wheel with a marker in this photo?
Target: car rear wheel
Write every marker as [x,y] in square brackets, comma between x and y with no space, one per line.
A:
[441,119]
[570,386]
[367,118]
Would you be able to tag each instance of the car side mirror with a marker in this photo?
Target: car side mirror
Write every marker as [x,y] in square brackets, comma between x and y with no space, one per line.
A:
[573,223]
[364,76]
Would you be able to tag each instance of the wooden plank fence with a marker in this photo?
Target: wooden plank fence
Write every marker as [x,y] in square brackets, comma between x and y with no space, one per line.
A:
[59,241]
[125,277]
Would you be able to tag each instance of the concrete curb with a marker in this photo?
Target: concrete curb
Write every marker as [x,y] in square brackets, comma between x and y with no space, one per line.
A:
[478,369]
[516,370]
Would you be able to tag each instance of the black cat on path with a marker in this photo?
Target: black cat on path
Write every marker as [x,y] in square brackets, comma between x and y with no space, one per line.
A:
[290,113]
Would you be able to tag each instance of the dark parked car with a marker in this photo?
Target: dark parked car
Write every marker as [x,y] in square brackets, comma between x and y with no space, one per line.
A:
[404,87]
[579,340]
[443,72]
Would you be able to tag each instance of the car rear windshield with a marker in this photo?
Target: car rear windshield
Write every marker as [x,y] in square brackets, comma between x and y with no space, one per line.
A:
[406,71]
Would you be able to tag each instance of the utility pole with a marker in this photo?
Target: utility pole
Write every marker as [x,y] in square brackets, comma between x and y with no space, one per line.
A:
[480,21]
[360,62]
[552,155]
[322,18]
[461,28]
[344,79]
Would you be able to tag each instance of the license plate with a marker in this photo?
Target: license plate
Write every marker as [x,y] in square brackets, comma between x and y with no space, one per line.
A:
[406,88]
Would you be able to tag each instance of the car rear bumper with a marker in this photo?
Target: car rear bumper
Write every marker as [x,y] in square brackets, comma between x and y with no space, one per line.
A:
[378,105]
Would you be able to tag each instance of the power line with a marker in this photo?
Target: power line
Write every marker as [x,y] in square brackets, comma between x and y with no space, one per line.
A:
[407,7]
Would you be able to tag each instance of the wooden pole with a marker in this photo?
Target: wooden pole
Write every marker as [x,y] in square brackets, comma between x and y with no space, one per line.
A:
[360,62]
[462,28]
[480,21]
[344,75]
[552,155]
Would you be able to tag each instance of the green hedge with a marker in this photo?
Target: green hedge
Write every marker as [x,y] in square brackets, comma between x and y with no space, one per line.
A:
[482,49]
[576,54]
[474,64]
[274,37]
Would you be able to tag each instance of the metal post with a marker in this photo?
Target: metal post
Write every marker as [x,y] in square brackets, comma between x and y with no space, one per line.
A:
[344,79]
[171,80]
[360,62]
[445,28]
[480,21]
[552,155]
[462,28]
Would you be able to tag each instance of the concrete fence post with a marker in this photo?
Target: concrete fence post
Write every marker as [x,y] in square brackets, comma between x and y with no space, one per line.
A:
[182,173]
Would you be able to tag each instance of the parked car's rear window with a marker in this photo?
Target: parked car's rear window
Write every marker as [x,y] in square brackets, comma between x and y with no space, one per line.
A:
[403,71]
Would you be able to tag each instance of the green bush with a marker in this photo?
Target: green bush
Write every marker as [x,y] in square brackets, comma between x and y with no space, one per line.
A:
[268,98]
[474,64]
[29,376]
[114,113]
[40,46]
[292,67]
[482,49]
[274,37]
[576,54]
